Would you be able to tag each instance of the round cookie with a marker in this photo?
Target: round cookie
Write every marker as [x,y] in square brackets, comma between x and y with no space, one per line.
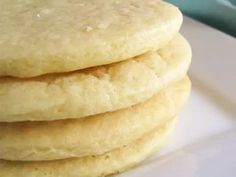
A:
[52,36]
[93,91]
[92,166]
[34,141]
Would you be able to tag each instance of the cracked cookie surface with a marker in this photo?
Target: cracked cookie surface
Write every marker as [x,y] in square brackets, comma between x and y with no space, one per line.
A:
[61,36]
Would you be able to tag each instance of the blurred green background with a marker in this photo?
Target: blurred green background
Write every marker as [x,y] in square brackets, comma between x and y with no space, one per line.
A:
[220,14]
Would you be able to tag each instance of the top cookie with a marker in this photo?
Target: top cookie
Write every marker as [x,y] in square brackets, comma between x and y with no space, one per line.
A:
[48,36]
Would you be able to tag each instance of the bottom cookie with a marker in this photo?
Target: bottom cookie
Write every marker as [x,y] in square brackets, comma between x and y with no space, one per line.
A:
[112,162]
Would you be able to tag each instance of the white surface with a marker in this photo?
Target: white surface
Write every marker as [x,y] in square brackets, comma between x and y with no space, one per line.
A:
[204,141]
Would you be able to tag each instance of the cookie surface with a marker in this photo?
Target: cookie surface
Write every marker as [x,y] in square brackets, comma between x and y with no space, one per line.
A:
[52,36]
[30,141]
[93,91]
[92,166]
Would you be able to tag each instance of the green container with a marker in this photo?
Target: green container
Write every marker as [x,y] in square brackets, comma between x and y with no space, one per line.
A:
[220,14]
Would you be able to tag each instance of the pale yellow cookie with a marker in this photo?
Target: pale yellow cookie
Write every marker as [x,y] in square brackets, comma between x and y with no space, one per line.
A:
[92,166]
[42,36]
[91,135]
[96,90]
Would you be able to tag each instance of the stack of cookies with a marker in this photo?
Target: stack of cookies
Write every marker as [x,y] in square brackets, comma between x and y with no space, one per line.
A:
[88,88]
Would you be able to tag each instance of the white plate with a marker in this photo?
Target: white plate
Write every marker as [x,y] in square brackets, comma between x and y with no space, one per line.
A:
[204,141]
